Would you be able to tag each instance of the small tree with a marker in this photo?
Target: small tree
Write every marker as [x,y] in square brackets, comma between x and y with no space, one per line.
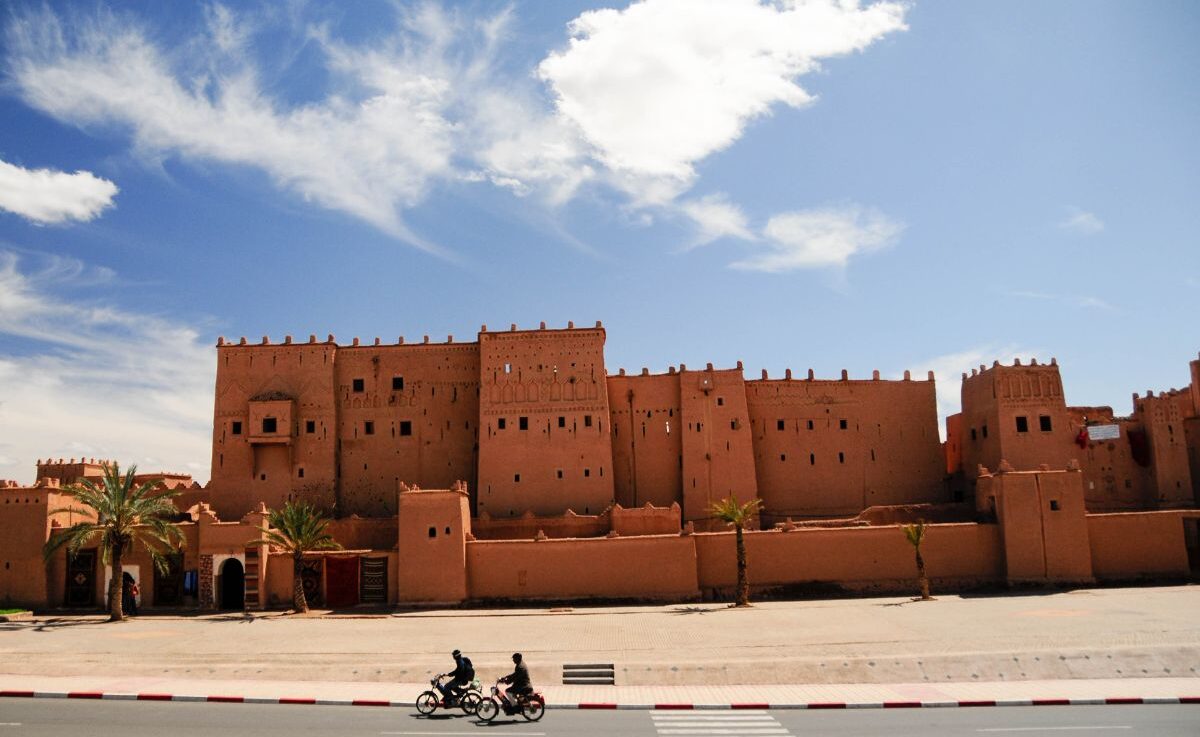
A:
[125,514]
[916,535]
[730,512]
[299,528]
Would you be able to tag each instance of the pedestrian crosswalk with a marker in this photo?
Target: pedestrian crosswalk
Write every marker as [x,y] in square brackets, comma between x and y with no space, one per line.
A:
[718,724]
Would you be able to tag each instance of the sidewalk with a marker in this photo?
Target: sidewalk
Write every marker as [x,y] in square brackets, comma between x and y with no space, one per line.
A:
[1084,634]
[829,696]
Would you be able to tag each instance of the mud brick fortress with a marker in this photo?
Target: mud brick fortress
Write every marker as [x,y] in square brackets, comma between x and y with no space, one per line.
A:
[515,467]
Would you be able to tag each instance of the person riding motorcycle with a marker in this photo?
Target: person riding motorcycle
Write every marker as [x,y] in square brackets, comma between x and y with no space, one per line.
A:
[518,681]
[462,674]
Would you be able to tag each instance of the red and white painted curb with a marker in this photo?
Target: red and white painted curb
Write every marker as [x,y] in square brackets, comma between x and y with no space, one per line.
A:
[225,699]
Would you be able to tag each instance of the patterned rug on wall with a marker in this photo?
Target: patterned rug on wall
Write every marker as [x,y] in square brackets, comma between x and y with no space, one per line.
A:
[374,581]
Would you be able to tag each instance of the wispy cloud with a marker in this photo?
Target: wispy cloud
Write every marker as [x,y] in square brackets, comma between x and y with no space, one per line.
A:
[716,217]
[96,380]
[1081,222]
[821,238]
[636,99]
[1073,300]
[46,196]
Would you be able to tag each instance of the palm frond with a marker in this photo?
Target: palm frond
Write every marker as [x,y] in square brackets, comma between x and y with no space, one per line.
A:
[915,533]
[731,512]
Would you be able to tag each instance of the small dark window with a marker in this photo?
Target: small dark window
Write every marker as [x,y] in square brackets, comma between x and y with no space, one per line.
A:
[559,473]
[358,385]
[500,423]
[872,454]
[300,472]
[516,478]
[1128,484]
[842,424]
[405,427]
[720,401]
[812,459]
[447,530]
[782,457]
[810,424]
[780,424]
[1053,505]
[397,383]
[368,428]
[433,532]
[733,424]
[1044,423]
[237,428]
[269,425]
[841,457]
[310,426]
[587,472]
[973,437]
[263,477]
[523,423]
[587,420]
[1022,424]
[562,421]
[985,431]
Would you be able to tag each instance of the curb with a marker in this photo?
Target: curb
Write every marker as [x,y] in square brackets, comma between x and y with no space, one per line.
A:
[225,699]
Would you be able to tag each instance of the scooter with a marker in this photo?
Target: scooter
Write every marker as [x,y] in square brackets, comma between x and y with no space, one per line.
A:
[431,700]
[532,707]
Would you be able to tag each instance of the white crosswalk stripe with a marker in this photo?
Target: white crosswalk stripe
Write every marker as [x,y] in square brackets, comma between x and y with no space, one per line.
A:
[699,724]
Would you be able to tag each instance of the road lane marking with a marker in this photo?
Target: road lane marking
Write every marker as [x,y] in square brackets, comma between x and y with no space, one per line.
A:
[474,734]
[1049,729]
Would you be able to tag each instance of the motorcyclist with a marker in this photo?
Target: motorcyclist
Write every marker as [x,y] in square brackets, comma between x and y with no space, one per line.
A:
[518,681]
[462,674]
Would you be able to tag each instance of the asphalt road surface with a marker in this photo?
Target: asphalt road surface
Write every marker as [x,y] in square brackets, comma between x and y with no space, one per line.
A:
[57,717]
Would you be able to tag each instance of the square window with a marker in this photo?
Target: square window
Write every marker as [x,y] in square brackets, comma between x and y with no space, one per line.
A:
[587,420]
[405,428]
[300,472]
[1053,505]
[780,424]
[1022,424]
[842,424]
[433,532]
[269,425]
[1044,423]
[236,428]
[500,423]
[560,475]
[516,478]
[523,423]
[587,472]
[358,385]
[562,421]
[810,424]
[368,428]
[720,401]
[782,457]
[310,426]
[397,383]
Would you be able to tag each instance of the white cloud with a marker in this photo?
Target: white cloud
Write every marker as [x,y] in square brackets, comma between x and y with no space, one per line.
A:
[48,196]
[822,237]
[663,84]
[1082,222]
[97,380]
[948,370]
[716,217]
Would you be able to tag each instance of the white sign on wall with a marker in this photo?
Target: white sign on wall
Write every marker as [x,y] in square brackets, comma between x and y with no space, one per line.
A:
[1104,432]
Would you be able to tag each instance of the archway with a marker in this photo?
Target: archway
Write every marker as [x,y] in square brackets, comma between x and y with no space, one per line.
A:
[233,585]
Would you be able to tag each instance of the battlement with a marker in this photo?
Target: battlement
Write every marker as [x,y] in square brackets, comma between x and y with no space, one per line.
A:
[845,377]
[998,367]
[357,342]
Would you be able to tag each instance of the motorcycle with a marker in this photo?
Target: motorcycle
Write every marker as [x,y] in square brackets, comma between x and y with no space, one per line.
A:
[431,700]
[532,707]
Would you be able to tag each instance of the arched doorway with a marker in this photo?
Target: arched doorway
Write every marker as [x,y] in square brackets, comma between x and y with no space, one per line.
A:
[233,585]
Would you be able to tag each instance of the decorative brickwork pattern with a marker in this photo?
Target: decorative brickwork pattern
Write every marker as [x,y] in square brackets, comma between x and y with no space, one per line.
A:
[206,582]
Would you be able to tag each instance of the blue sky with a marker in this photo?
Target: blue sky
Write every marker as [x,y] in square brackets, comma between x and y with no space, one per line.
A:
[929,185]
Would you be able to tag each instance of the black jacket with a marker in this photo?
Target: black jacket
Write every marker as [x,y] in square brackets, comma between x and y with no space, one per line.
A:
[463,669]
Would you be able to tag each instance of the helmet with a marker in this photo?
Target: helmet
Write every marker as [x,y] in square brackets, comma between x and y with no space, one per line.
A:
[455,654]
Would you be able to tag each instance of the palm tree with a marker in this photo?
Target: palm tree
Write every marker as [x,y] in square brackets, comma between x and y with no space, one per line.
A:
[916,535]
[299,528]
[125,514]
[730,512]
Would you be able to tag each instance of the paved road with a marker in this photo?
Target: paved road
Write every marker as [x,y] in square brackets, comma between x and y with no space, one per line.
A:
[44,717]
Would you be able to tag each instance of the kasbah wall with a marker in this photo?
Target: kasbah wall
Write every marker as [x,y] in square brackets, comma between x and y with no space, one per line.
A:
[515,467]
